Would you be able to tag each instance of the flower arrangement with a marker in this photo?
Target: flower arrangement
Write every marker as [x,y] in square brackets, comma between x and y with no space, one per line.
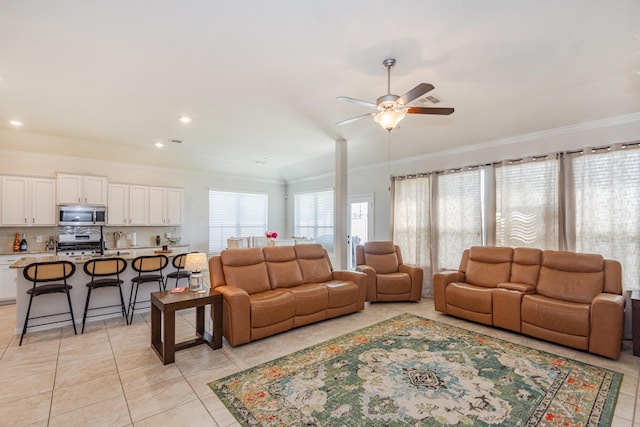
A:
[271,234]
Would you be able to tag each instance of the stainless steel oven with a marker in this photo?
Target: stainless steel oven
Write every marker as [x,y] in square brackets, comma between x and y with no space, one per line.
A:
[82,215]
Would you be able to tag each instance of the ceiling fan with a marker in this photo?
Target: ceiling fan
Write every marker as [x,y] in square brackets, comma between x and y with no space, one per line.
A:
[392,108]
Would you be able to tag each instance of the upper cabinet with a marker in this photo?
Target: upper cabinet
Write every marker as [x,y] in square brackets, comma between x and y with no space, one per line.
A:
[165,206]
[83,189]
[28,201]
[128,205]
[143,205]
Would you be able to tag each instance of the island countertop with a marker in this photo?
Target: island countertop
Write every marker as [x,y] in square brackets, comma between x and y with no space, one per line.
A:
[126,253]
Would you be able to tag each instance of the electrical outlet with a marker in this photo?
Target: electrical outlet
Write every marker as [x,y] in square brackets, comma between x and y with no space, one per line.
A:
[38,239]
[167,235]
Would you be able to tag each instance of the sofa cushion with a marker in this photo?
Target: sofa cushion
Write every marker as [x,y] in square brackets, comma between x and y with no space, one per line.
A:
[381,256]
[310,298]
[341,293]
[469,297]
[556,315]
[393,283]
[282,265]
[271,307]
[489,266]
[526,265]
[568,276]
[314,263]
[246,269]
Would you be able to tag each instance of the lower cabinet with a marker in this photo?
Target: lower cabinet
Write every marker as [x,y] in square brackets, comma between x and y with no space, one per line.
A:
[8,278]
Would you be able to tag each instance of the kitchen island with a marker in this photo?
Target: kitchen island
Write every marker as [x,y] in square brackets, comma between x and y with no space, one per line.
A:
[57,303]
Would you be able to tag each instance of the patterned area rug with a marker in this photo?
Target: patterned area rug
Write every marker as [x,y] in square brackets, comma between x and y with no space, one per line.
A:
[413,371]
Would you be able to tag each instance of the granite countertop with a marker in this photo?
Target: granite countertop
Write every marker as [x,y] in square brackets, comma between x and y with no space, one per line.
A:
[119,252]
[126,248]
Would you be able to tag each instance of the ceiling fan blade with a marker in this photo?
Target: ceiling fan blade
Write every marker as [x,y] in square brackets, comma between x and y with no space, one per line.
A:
[353,119]
[357,101]
[429,110]
[415,93]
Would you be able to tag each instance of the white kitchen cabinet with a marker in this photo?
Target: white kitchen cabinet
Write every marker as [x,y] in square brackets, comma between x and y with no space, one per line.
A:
[165,206]
[28,201]
[8,278]
[128,204]
[83,189]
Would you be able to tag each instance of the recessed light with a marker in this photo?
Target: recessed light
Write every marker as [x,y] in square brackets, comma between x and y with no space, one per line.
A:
[16,123]
[185,119]
[159,144]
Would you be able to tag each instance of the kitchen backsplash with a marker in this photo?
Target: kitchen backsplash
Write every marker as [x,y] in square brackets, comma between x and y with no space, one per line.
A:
[145,236]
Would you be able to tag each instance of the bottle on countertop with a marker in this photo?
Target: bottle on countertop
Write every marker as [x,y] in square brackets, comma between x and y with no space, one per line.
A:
[16,243]
[158,240]
[23,243]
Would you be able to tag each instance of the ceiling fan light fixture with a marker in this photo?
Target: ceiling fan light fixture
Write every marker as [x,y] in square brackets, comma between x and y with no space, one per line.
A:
[389,119]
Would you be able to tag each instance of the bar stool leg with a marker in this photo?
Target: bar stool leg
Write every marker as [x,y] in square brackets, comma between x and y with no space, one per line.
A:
[124,310]
[26,320]
[132,307]
[86,308]
[73,320]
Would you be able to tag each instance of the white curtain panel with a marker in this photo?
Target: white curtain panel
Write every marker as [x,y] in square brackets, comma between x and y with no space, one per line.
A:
[412,224]
[457,216]
[606,196]
[527,208]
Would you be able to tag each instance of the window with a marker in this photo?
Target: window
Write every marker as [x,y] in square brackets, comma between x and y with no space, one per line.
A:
[458,216]
[234,215]
[313,217]
[607,209]
[527,204]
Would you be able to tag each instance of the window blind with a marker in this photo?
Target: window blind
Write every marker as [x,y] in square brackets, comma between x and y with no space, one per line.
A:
[313,217]
[235,214]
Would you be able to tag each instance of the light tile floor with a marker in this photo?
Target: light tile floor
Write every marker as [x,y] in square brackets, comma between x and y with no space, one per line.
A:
[110,376]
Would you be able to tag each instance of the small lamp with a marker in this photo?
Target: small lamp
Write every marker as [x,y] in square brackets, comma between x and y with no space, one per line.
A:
[196,262]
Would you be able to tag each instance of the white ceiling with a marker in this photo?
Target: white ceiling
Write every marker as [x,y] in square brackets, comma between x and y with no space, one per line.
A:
[260,78]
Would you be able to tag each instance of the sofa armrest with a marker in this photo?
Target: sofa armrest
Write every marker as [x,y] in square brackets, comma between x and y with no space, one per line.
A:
[372,294]
[416,274]
[236,314]
[358,278]
[607,325]
[440,282]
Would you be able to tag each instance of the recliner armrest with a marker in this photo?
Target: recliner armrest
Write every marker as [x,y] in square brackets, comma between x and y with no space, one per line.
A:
[236,312]
[520,287]
[416,274]
[372,293]
[358,278]
[607,325]
[440,282]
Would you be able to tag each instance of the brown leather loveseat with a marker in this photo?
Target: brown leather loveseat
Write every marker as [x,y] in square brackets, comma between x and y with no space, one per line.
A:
[273,289]
[568,298]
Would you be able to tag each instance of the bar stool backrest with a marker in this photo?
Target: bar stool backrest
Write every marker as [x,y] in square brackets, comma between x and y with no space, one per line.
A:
[105,267]
[149,263]
[178,261]
[48,271]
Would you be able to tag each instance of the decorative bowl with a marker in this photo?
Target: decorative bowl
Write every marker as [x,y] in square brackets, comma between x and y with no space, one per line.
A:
[174,240]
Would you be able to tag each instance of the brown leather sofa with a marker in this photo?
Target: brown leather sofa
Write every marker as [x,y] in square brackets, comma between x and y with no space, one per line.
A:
[568,298]
[273,289]
[388,278]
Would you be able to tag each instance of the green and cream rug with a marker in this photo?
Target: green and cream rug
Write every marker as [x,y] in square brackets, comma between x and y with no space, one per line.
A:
[413,371]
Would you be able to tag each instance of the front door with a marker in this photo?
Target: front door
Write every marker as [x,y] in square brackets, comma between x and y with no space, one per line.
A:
[360,224]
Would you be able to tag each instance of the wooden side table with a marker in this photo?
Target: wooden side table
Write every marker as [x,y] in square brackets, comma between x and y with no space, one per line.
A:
[168,303]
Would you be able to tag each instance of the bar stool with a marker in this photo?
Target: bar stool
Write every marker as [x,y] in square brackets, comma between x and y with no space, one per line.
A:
[149,268]
[180,273]
[47,272]
[105,273]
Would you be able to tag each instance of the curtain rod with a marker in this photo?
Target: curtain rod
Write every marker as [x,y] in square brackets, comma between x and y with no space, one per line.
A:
[615,146]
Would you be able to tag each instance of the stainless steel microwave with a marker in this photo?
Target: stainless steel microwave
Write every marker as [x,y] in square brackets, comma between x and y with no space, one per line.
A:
[82,215]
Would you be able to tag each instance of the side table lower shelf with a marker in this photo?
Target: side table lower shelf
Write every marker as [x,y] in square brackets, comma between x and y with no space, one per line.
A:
[168,303]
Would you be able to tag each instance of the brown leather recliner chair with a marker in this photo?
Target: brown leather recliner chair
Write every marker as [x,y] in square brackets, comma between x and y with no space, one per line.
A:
[388,278]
